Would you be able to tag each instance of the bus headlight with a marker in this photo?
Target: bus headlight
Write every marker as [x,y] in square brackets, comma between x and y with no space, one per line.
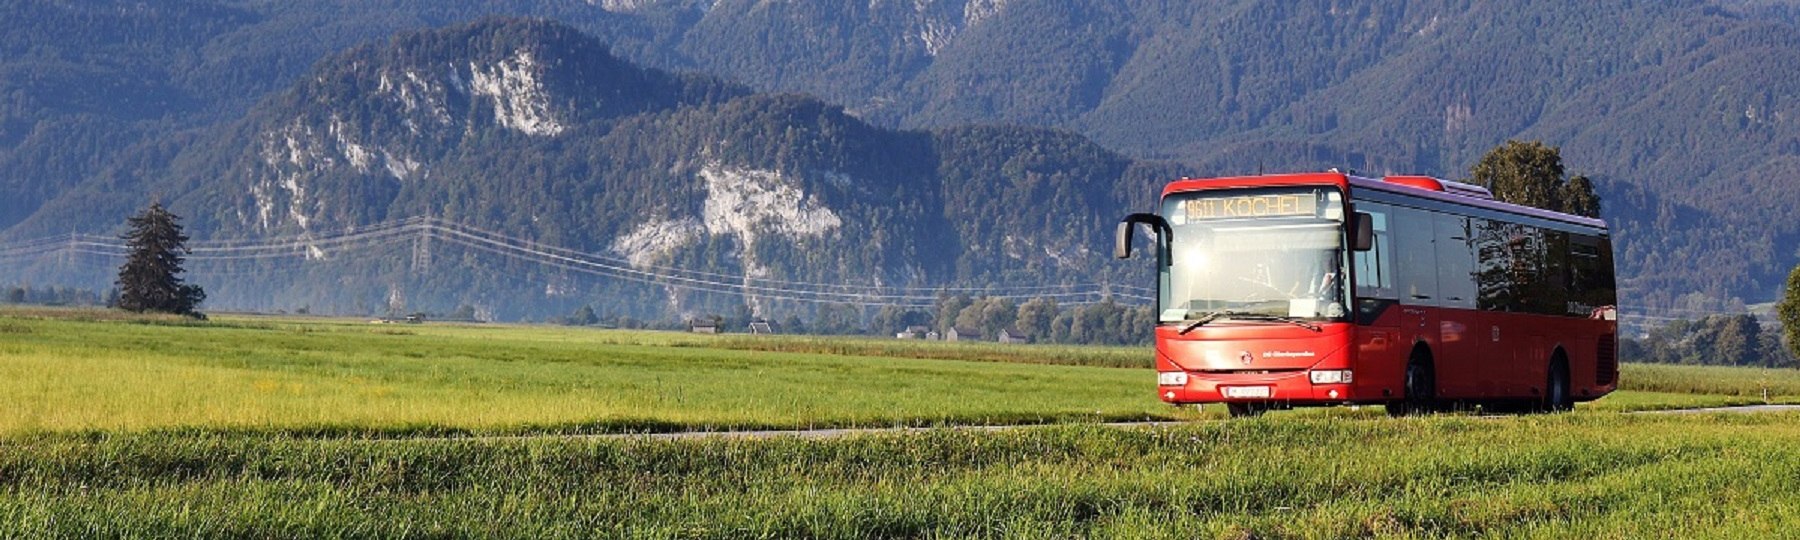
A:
[1171,378]
[1330,376]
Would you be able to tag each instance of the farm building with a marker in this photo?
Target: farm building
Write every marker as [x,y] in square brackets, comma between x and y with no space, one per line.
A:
[960,333]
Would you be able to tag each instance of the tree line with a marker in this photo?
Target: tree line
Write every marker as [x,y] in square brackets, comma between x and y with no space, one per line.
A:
[57,296]
[1041,320]
[1717,340]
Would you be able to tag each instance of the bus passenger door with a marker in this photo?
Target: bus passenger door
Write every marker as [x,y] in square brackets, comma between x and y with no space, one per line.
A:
[1416,280]
[1380,352]
[1460,348]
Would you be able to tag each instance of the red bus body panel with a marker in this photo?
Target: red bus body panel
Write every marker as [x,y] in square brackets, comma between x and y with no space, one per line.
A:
[1477,354]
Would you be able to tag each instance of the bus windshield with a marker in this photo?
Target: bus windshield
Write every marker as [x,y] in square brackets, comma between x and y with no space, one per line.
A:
[1267,252]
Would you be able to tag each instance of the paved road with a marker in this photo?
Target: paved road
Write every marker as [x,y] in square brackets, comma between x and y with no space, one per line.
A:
[844,432]
[1742,409]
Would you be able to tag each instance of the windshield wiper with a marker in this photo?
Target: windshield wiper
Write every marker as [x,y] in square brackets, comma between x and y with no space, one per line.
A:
[1209,317]
[1245,315]
[1275,318]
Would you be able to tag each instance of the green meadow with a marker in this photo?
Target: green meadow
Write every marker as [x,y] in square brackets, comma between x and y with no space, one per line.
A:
[124,426]
[65,374]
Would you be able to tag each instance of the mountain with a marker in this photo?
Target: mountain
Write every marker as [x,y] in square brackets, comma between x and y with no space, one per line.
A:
[529,129]
[1683,110]
[1689,103]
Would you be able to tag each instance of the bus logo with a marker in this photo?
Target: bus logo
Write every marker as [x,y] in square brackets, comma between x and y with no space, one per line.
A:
[1245,357]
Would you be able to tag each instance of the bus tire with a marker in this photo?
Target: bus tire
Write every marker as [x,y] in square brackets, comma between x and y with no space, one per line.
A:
[1556,389]
[1245,410]
[1421,388]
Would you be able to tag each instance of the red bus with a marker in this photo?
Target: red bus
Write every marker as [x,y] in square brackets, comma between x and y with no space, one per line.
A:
[1406,291]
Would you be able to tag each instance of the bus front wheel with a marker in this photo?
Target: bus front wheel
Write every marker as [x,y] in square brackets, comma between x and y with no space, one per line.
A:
[1243,410]
[1421,390]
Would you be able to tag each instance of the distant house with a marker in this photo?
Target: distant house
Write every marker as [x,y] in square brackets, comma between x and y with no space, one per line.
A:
[761,327]
[703,327]
[1013,335]
[914,332]
[959,333]
[933,336]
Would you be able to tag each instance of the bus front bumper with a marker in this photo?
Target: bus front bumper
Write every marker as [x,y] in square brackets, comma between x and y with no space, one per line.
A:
[1288,387]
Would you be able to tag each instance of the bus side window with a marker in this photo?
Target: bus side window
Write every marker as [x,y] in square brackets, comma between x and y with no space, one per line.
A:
[1455,261]
[1415,264]
[1527,256]
[1493,264]
[1555,277]
[1374,268]
[1590,285]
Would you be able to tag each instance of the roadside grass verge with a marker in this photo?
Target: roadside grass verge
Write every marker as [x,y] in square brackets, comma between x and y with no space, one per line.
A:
[1603,476]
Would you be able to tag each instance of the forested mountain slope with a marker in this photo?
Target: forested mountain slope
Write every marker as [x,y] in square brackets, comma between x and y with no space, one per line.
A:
[1684,110]
[531,129]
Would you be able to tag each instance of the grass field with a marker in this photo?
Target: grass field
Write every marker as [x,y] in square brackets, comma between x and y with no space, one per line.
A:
[61,374]
[115,426]
[96,370]
[1565,476]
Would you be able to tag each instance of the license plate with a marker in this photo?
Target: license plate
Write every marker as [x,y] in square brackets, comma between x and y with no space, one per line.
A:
[1246,391]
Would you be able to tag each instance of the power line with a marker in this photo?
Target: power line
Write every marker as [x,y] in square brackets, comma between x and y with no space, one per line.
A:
[304,244]
[310,246]
[619,260]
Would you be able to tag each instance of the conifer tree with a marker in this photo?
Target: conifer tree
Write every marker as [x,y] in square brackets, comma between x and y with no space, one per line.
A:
[150,279]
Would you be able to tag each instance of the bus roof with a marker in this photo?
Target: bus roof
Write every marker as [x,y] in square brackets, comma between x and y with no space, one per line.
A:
[1414,186]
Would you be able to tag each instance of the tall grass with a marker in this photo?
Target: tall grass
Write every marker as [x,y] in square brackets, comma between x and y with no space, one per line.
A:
[1537,477]
[1716,380]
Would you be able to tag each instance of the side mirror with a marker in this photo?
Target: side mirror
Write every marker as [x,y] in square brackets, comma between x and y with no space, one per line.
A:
[1122,246]
[1362,232]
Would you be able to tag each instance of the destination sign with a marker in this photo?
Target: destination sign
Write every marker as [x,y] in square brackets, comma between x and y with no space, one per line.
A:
[1248,206]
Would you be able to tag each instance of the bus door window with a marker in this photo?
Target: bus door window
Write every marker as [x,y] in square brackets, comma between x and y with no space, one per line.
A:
[1375,269]
[1415,263]
[1415,275]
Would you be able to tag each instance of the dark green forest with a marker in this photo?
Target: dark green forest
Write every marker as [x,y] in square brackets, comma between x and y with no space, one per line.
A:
[1682,113]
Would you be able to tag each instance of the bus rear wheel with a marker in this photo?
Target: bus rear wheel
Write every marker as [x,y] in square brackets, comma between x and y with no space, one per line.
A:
[1556,389]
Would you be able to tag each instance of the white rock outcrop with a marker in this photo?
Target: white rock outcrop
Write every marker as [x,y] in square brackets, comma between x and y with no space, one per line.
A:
[748,205]
[516,87]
